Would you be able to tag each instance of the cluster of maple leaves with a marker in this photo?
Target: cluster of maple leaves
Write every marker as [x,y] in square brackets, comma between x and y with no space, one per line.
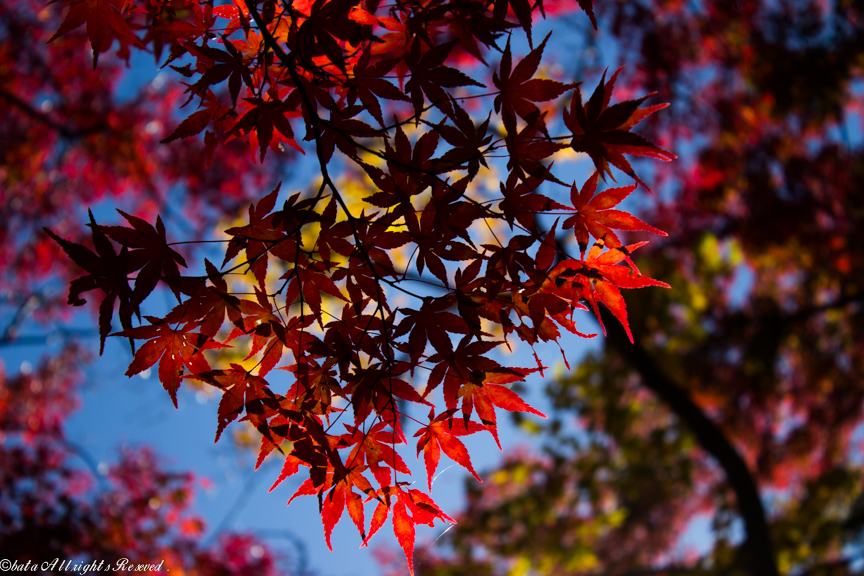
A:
[327,66]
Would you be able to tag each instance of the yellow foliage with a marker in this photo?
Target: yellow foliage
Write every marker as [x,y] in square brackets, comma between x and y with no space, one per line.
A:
[521,567]
[581,559]
[709,251]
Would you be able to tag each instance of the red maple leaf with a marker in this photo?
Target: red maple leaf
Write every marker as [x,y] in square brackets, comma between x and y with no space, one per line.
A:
[431,323]
[601,276]
[240,390]
[412,507]
[467,140]
[221,65]
[440,434]
[104,19]
[429,76]
[519,91]
[374,449]
[483,392]
[595,216]
[588,7]
[368,85]
[265,115]
[149,253]
[173,348]
[342,495]
[107,270]
[259,237]
[603,131]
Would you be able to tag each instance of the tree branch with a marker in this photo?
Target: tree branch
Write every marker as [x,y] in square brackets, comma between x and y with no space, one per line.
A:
[68,132]
[61,333]
[757,551]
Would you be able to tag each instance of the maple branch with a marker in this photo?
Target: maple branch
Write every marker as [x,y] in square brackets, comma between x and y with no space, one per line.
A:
[42,339]
[297,542]
[25,308]
[240,502]
[432,173]
[67,132]
[272,243]
[315,121]
[85,457]
[757,549]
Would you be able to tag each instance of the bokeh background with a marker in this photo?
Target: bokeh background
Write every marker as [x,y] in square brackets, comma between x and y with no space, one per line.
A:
[760,334]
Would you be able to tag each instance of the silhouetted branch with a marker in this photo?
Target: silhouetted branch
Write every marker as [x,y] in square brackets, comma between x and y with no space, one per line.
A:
[21,312]
[41,339]
[298,544]
[757,550]
[69,132]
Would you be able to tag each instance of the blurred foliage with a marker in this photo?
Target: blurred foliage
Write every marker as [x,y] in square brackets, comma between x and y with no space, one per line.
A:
[57,502]
[763,328]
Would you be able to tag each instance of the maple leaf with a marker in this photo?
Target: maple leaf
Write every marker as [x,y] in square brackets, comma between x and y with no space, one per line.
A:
[484,391]
[100,17]
[376,389]
[268,333]
[339,131]
[422,511]
[512,260]
[258,237]
[603,276]
[588,7]
[431,323]
[290,467]
[341,496]
[173,348]
[368,86]
[454,370]
[372,449]
[473,24]
[397,185]
[522,201]
[108,271]
[466,140]
[149,253]
[265,115]
[429,76]
[329,23]
[440,434]
[527,150]
[226,11]
[403,528]
[595,216]
[194,124]
[382,511]
[207,304]
[431,244]
[519,91]
[213,110]
[240,390]
[603,131]
[228,64]
[522,9]
[308,279]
